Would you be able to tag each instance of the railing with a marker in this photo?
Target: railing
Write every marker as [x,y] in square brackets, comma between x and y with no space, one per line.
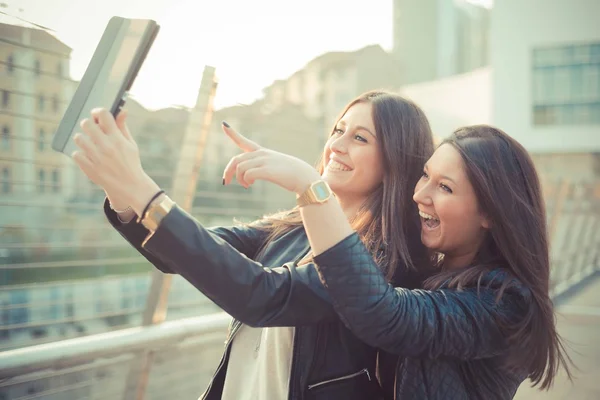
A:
[186,351]
[573,211]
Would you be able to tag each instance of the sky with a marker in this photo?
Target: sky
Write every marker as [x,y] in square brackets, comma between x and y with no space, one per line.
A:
[250,43]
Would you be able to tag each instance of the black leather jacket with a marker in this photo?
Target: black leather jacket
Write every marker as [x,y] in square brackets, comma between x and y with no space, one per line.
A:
[270,291]
[449,341]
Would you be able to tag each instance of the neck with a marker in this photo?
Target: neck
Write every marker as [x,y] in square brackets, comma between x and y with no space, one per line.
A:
[464,257]
[457,261]
[349,207]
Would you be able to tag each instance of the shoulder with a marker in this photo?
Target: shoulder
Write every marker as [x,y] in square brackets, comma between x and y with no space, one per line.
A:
[505,295]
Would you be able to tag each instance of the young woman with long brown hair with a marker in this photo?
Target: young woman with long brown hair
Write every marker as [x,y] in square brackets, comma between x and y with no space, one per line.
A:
[485,322]
[286,340]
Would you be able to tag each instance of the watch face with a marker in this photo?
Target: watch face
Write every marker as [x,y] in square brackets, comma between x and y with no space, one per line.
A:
[321,191]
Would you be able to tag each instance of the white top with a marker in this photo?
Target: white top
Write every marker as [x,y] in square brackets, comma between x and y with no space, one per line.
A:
[260,364]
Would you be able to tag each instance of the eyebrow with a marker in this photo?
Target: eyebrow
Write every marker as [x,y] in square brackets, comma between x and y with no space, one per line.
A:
[443,176]
[359,127]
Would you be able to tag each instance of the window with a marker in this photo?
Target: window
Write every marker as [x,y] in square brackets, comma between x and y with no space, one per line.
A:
[55,104]
[566,85]
[37,68]
[6,181]
[42,140]
[6,145]
[54,306]
[41,103]
[5,98]
[56,181]
[41,181]
[10,64]
[59,69]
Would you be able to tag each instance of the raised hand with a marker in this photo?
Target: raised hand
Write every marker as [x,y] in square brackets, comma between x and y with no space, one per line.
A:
[259,163]
[109,156]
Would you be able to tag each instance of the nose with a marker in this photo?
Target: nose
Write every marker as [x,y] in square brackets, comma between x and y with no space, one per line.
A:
[422,195]
[339,145]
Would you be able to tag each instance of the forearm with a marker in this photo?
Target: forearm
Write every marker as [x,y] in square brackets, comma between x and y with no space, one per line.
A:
[326,225]
[257,296]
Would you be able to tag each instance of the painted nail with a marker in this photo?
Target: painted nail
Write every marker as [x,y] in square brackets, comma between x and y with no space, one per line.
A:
[225,124]
[223,181]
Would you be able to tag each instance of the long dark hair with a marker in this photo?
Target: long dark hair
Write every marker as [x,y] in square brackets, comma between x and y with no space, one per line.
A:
[388,222]
[509,193]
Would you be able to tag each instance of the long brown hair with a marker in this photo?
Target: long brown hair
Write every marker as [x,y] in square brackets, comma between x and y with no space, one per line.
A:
[388,222]
[509,193]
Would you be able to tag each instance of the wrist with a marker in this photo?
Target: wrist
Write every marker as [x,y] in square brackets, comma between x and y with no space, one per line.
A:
[307,182]
[140,195]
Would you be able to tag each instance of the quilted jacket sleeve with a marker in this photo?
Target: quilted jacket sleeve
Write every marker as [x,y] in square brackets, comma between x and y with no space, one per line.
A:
[414,323]
[218,262]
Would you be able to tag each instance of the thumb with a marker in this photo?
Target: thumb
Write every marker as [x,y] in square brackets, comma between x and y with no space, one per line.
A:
[240,140]
[122,124]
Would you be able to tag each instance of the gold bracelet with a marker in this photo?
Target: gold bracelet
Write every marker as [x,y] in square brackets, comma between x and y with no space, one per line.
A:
[155,213]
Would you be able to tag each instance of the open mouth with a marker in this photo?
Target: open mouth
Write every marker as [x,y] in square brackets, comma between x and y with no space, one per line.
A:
[429,221]
[336,166]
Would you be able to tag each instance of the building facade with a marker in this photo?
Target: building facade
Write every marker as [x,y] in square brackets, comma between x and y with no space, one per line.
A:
[327,83]
[434,39]
[546,81]
[35,89]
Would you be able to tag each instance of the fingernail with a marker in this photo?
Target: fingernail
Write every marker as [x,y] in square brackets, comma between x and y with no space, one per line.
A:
[226,125]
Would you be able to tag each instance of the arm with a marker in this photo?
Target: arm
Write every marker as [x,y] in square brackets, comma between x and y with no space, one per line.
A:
[415,323]
[218,262]
[246,240]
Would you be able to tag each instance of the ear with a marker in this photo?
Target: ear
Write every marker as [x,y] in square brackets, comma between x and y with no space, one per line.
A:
[486,222]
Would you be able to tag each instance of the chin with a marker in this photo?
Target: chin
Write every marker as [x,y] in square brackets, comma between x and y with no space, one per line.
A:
[331,180]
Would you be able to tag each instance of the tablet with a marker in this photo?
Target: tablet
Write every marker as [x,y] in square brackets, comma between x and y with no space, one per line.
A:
[111,72]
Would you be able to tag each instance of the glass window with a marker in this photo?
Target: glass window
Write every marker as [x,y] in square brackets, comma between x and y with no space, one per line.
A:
[10,63]
[5,98]
[42,140]
[41,181]
[56,181]
[6,183]
[6,145]
[566,84]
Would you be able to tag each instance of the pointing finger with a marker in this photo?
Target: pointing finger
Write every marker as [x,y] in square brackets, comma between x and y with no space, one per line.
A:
[240,140]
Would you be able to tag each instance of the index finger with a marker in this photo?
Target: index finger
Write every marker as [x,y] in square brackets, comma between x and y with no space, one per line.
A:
[105,120]
[240,140]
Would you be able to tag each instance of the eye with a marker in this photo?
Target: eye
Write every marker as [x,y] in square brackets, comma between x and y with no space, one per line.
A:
[445,188]
[424,175]
[360,138]
[337,131]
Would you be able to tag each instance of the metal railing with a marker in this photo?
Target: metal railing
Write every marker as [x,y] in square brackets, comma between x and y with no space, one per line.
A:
[186,351]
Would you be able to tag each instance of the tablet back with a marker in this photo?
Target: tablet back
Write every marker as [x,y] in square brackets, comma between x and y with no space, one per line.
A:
[109,75]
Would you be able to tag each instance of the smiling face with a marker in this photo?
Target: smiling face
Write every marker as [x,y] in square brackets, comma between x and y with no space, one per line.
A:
[451,221]
[353,164]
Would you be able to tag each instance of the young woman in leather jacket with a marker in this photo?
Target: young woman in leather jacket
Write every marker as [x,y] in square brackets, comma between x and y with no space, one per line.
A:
[485,322]
[286,340]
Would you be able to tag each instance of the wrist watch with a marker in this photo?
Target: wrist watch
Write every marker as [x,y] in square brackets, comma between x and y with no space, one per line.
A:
[317,193]
[156,212]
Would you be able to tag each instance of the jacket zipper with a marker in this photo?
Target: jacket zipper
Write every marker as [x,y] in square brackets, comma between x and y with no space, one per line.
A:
[354,375]
[297,330]
[234,331]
